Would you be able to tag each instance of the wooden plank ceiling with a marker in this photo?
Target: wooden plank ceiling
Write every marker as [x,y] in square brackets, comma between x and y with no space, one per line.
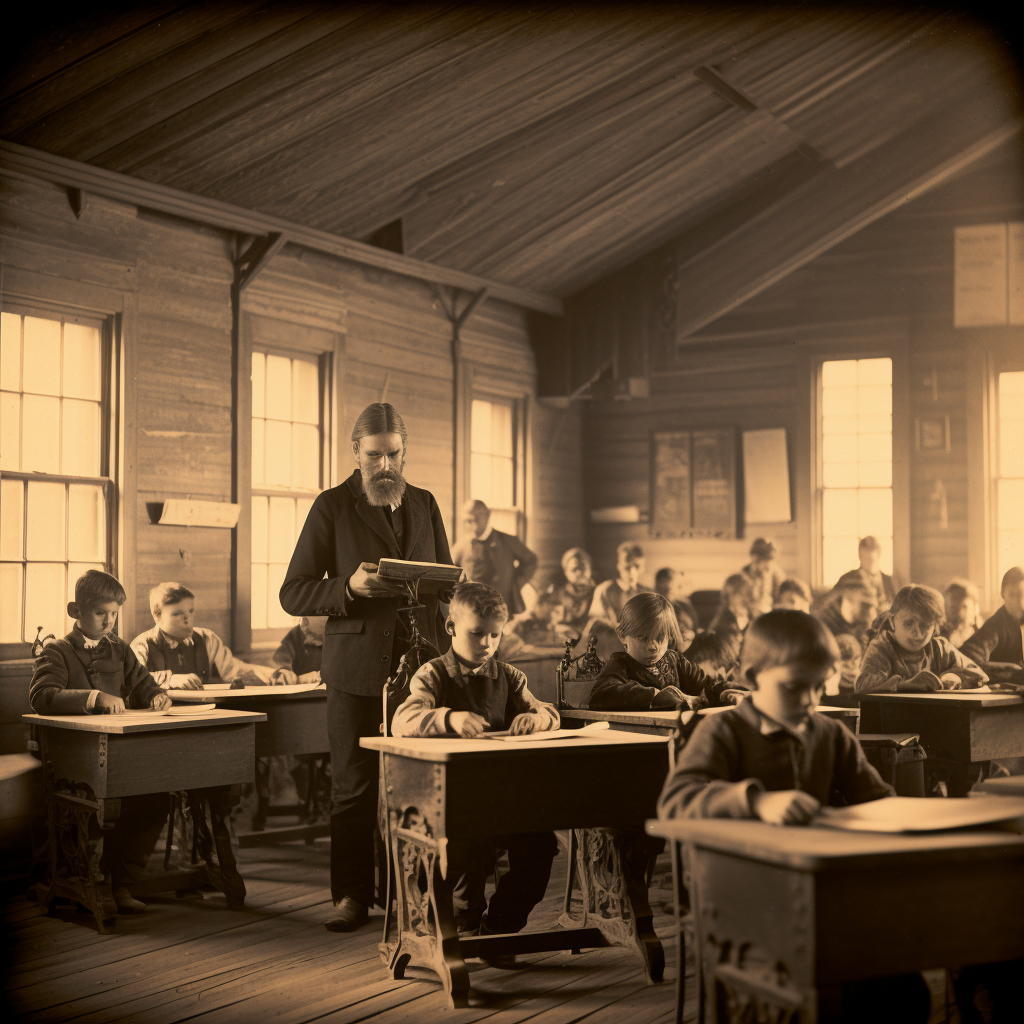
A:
[540,146]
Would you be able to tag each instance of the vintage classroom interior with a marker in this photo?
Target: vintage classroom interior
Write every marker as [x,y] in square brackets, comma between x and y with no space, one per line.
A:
[628,273]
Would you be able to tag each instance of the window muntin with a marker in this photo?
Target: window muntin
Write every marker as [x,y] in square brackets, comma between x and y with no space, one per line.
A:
[287,472]
[57,495]
[856,462]
[1010,471]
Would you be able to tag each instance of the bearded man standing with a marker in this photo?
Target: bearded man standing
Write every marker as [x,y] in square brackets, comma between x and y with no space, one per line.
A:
[374,514]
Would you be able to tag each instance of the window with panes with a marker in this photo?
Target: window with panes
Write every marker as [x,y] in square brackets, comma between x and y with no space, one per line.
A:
[494,459]
[1009,471]
[57,491]
[289,465]
[855,442]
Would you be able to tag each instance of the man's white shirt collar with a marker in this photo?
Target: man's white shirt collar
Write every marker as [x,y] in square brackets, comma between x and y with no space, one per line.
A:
[483,536]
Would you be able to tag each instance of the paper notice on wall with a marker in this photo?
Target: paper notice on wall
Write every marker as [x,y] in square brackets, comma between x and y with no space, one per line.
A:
[979,275]
[1015,274]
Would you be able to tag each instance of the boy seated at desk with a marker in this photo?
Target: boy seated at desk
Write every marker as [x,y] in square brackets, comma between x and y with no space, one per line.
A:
[773,758]
[467,692]
[186,657]
[92,671]
[999,644]
[651,674]
[908,655]
[542,626]
[302,649]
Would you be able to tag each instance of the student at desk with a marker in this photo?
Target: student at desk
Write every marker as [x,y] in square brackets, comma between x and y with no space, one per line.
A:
[465,693]
[185,657]
[92,671]
[908,657]
[772,758]
[651,673]
[1001,638]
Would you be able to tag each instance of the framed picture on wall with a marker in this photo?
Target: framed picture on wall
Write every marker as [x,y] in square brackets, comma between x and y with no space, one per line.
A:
[931,433]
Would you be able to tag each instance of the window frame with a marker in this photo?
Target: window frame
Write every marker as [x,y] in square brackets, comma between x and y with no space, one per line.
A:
[298,343]
[520,447]
[896,350]
[112,413]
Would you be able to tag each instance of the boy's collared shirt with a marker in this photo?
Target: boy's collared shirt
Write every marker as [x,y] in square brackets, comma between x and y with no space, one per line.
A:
[225,664]
[733,756]
[493,689]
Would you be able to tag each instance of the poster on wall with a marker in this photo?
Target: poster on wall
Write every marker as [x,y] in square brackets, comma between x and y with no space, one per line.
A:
[671,500]
[979,275]
[693,483]
[766,477]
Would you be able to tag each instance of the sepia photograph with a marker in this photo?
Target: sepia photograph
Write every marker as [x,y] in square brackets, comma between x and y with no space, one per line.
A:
[512,512]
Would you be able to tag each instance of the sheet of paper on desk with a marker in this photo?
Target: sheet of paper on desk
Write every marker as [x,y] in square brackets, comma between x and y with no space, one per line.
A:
[553,734]
[921,814]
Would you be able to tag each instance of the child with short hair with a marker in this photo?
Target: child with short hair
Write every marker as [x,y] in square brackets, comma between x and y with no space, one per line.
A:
[963,617]
[794,594]
[907,655]
[467,692]
[302,648]
[869,554]
[92,671]
[575,590]
[611,596]
[773,758]
[1000,640]
[734,613]
[651,673]
[711,654]
[686,619]
[765,575]
[186,657]
[671,583]
[543,625]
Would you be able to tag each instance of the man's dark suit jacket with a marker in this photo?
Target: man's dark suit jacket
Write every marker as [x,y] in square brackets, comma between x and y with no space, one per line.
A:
[511,566]
[342,530]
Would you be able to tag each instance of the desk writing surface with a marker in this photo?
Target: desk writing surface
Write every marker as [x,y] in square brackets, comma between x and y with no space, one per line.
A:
[1011,786]
[666,719]
[158,723]
[454,748]
[814,849]
[952,698]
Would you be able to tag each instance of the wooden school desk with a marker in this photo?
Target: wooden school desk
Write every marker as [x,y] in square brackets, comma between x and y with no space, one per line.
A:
[91,761]
[663,723]
[296,723]
[958,728]
[448,788]
[783,916]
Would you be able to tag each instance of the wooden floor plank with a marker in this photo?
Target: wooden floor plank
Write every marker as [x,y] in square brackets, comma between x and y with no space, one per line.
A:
[274,962]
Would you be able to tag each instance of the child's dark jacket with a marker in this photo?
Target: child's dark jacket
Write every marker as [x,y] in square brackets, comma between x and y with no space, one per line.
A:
[626,685]
[736,754]
[68,671]
[494,690]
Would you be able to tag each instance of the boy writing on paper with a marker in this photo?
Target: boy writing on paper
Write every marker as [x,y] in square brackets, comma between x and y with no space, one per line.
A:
[92,671]
[186,657]
[773,758]
[464,693]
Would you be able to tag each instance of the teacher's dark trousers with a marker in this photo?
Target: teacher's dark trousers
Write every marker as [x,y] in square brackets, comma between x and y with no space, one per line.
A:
[354,777]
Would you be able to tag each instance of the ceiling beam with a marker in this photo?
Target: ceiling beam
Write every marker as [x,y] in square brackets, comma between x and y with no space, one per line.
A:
[834,204]
[23,161]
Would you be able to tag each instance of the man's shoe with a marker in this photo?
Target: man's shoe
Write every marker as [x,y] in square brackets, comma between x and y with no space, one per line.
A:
[347,916]
[126,903]
[506,960]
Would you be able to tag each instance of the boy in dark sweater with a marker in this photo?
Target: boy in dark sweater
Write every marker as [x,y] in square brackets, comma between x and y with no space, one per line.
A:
[92,671]
[651,673]
[465,693]
[773,758]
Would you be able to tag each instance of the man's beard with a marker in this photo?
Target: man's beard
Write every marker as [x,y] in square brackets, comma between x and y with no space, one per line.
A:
[386,487]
